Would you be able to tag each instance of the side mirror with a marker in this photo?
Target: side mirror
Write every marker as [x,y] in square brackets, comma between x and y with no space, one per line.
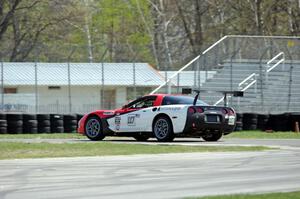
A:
[125,106]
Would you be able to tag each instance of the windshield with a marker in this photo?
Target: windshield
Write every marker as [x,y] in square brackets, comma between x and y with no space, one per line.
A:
[168,100]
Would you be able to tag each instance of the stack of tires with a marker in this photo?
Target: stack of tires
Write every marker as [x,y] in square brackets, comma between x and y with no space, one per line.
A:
[262,121]
[3,123]
[70,123]
[279,122]
[57,123]
[30,123]
[14,123]
[249,121]
[43,123]
[239,122]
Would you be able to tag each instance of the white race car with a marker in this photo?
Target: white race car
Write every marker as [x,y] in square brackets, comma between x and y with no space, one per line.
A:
[161,116]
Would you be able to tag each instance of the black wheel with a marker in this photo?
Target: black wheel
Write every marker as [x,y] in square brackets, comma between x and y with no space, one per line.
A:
[212,137]
[141,137]
[163,130]
[93,129]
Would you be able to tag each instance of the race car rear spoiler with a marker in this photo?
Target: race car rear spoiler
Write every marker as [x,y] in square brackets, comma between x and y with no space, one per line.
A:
[225,93]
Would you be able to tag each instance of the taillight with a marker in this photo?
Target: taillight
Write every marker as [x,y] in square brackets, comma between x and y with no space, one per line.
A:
[191,110]
[224,111]
[199,110]
[230,112]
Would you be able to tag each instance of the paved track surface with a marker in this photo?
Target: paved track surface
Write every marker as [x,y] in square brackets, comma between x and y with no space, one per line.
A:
[156,176]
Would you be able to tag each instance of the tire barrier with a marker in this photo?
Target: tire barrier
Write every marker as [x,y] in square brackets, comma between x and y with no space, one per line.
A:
[30,123]
[70,123]
[250,121]
[279,122]
[57,123]
[3,123]
[293,119]
[43,123]
[14,123]
[239,122]
[262,121]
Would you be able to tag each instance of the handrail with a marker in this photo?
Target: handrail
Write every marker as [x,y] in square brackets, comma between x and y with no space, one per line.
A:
[249,77]
[240,86]
[270,67]
[276,56]
[188,64]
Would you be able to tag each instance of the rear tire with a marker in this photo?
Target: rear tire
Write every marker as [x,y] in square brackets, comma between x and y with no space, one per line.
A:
[93,129]
[212,137]
[163,129]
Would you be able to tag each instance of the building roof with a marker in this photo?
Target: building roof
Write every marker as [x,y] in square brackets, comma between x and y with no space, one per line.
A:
[115,74]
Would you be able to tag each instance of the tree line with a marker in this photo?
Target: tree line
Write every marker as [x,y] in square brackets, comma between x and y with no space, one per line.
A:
[164,33]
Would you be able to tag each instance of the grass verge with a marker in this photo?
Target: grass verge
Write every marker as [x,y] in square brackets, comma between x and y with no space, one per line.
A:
[14,150]
[238,134]
[288,195]
[263,135]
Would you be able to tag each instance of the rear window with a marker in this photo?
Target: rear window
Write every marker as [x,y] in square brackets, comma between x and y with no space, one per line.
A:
[169,100]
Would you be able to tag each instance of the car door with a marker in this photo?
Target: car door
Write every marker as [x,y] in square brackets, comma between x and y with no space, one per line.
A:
[131,118]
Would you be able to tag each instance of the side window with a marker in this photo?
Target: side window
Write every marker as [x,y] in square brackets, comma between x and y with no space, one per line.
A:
[144,103]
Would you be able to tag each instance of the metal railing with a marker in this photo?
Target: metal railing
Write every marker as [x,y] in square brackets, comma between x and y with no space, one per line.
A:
[270,67]
[248,82]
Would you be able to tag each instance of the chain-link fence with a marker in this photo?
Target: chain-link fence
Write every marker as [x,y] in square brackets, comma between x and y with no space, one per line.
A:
[239,62]
[38,87]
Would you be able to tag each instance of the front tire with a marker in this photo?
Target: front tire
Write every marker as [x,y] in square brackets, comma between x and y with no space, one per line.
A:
[93,129]
[212,137]
[163,130]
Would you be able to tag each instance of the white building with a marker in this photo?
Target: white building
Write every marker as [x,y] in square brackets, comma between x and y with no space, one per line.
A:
[45,87]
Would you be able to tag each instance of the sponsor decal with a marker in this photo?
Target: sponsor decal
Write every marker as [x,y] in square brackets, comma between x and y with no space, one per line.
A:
[117,122]
[131,120]
[170,108]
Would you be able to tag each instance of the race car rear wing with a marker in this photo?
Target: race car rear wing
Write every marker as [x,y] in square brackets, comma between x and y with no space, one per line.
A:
[187,91]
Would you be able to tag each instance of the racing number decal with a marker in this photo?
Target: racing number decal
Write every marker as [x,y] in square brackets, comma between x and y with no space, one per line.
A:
[131,120]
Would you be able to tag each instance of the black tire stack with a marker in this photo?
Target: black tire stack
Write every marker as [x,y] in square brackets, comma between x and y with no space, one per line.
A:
[57,123]
[3,123]
[239,122]
[14,123]
[262,121]
[43,123]
[249,121]
[279,122]
[79,116]
[70,123]
[30,123]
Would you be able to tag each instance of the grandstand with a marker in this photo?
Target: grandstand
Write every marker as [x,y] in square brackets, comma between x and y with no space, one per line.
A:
[266,68]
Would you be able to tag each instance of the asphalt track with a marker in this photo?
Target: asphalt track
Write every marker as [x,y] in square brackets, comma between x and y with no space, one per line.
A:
[156,176]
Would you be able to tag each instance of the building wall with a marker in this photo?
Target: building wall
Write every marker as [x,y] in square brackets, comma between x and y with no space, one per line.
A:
[83,99]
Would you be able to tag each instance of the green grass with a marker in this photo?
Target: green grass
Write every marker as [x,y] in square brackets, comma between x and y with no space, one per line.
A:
[289,195]
[240,134]
[13,150]
[263,135]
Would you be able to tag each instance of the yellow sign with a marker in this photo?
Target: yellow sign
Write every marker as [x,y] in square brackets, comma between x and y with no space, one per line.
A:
[290,43]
